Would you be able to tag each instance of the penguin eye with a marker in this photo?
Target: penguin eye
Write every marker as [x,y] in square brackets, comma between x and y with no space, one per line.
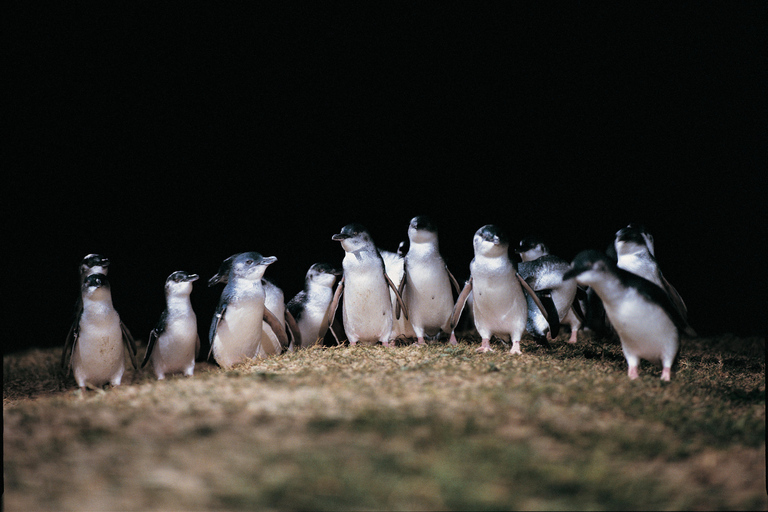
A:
[249,262]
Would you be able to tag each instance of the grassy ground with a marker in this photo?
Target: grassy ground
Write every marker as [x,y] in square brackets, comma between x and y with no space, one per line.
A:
[404,428]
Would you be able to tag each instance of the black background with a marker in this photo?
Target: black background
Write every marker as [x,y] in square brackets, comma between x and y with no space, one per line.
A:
[168,139]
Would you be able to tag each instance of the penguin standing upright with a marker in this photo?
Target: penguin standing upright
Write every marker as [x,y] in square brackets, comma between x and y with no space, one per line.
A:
[174,343]
[236,329]
[99,341]
[499,306]
[426,287]
[645,319]
[311,307]
[367,310]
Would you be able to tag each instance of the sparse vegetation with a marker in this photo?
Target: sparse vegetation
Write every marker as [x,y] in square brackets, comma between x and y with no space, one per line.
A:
[405,428]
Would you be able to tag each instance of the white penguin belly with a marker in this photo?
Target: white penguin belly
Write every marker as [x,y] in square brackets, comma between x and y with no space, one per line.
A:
[99,355]
[645,331]
[367,310]
[499,307]
[175,350]
[239,332]
[313,321]
[429,299]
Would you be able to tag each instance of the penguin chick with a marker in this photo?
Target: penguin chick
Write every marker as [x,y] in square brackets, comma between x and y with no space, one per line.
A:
[174,343]
[642,314]
[99,341]
[236,329]
[367,309]
[311,306]
[426,289]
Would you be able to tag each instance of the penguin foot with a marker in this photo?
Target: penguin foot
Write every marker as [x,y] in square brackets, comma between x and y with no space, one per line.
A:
[633,373]
[484,347]
[453,340]
[515,348]
[666,374]
[574,336]
[420,342]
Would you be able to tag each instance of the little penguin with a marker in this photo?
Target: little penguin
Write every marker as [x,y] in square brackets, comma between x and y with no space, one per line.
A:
[635,253]
[394,266]
[174,343]
[311,307]
[367,309]
[236,329]
[645,319]
[426,284]
[544,273]
[99,342]
[499,306]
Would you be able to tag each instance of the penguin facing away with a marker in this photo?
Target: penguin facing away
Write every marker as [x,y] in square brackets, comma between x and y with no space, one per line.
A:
[499,304]
[99,342]
[426,284]
[236,329]
[311,307]
[367,310]
[174,343]
[645,319]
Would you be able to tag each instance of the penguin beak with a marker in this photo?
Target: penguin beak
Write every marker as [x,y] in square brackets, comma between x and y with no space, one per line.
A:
[496,240]
[215,280]
[268,260]
[192,278]
[339,237]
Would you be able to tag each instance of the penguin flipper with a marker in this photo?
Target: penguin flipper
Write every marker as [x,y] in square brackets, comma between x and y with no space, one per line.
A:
[397,295]
[197,346]
[545,296]
[217,316]
[293,328]
[69,345]
[454,282]
[150,346]
[400,290]
[459,306]
[679,304]
[535,298]
[335,302]
[130,344]
[277,328]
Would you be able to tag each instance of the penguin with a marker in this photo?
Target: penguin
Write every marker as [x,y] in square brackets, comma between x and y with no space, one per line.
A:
[174,343]
[641,312]
[367,310]
[499,306]
[394,266]
[635,253]
[274,300]
[311,307]
[426,284]
[99,341]
[544,273]
[236,329]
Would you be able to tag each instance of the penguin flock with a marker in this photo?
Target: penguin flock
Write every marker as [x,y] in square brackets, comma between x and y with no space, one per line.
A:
[389,296]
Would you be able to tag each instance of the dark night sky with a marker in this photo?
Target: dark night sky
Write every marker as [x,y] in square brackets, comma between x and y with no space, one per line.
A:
[169,140]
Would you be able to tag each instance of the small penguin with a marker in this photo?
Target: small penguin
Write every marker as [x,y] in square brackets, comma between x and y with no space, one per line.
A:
[499,306]
[645,319]
[394,266]
[426,284]
[544,273]
[236,329]
[311,307]
[635,253]
[174,343]
[367,310]
[99,341]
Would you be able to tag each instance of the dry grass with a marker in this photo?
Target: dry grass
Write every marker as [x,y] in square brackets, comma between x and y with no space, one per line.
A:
[405,428]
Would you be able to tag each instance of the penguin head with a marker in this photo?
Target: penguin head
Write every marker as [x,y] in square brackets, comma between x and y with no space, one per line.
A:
[633,239]
[354,237]
[244,265]
[322,274]
[94,264]
[531,248]
[422,230]
[589,267]
[96,287]
[402,248]
[490,241]
[180,283]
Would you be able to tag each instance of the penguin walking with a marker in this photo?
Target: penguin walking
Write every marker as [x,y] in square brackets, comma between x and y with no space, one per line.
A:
[394,266]
[642,314]
[544,273]
[311,307]
[236,329]
[426,284]
[499,306]
[99,342]
[174,343]
[635,253]
[89,265]
[367,310]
